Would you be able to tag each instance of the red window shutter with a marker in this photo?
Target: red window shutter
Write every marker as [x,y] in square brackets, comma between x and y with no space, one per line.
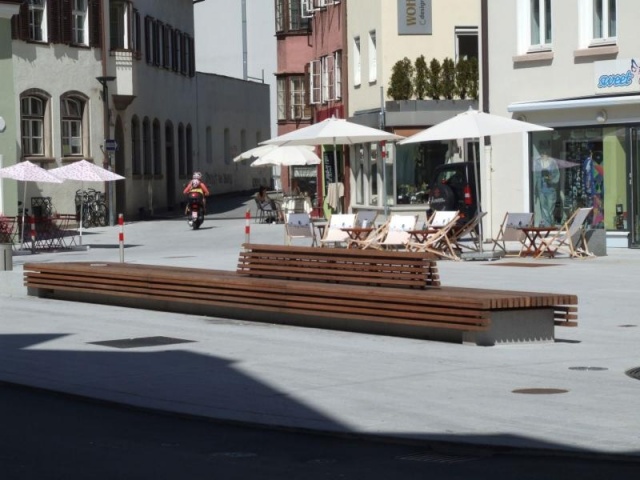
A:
[95,23]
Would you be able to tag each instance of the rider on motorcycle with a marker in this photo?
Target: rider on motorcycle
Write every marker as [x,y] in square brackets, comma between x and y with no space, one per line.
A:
[197,185]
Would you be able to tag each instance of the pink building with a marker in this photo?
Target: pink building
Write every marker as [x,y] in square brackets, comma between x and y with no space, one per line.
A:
[311,37]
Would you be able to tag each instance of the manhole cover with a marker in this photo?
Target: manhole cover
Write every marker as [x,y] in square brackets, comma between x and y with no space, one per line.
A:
[592,369]
[432,457]
[523,264]
[540,391]
[634,373]
[141,342]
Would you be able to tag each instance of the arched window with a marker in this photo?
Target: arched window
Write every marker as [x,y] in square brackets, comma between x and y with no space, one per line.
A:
[146,146]
[32,125]
[189,149]
[182,164]
[73,125]
[157,148]
[136,159]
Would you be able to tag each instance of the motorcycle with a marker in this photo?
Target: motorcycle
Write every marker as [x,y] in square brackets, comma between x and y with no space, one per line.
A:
[195,209]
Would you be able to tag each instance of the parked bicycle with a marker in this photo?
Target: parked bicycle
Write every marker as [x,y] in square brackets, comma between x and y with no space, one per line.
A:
[93,206]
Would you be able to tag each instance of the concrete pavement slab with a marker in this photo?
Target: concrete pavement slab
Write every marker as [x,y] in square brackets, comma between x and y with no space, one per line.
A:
[340,381]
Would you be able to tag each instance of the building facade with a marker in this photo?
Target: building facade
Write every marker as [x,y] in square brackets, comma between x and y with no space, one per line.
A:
[379,35]
[310,83]
[575,65]
[95,70]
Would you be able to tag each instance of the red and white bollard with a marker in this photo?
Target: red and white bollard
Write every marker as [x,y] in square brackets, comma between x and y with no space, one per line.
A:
[121,236]
[32,224]
[247,226]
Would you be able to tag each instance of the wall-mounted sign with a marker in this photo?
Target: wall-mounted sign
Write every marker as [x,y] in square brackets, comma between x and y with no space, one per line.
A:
[617,76]
[414,17]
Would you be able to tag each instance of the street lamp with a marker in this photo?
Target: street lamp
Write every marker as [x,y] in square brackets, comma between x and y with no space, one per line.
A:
[107,134]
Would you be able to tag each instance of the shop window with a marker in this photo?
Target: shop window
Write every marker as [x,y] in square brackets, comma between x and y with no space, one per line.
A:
[569,169]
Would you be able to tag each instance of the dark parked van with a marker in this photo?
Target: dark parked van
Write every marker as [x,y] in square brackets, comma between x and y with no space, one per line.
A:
[453,188]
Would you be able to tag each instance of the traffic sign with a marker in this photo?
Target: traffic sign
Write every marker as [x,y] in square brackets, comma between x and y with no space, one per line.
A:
[110,145]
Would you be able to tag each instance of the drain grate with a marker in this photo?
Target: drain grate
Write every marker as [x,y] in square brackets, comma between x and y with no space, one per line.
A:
[141,342]
[432,457]
[591,369]
[634,373]
[540,391]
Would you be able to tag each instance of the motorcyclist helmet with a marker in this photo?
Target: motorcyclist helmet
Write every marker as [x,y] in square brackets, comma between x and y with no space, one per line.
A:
[197,175]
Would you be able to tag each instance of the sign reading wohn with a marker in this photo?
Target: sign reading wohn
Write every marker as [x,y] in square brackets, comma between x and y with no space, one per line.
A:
[617,76]
[414,17]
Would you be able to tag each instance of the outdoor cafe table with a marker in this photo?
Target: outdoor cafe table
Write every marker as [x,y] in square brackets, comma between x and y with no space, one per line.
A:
[357,233]
[533,240]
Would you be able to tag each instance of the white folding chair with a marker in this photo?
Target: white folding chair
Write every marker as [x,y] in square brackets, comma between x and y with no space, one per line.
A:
[333,233]
[510,231]
[298,225]
[570,237]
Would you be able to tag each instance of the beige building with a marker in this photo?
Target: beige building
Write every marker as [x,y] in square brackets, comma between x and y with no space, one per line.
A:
[573,66]
[379,34]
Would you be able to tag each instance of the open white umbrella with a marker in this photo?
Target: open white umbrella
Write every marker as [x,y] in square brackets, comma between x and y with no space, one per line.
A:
[473,124]
[84,171]
[257,152]
[28,172]
[287,157]
[333,131]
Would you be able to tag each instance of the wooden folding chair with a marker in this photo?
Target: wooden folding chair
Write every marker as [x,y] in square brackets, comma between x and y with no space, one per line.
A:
[373,240]
[510,231]
[570,237]
[438,240]
[333,233]
[366,218]
[465,236]
[398,234]
[298,225]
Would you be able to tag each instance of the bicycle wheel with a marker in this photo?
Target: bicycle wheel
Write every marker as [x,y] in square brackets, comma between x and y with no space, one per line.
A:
[86,216]
[102,214]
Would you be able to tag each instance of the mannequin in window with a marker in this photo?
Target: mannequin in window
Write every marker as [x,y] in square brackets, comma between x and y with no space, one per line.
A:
[546,177]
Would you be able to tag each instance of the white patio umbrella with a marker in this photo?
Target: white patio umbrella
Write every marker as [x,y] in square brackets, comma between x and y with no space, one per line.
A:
[333,131]
[84,171]
[28,172]
[288,156]
[473,124]
[257,152]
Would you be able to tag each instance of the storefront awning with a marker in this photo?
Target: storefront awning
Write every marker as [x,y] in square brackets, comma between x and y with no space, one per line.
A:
[590,102]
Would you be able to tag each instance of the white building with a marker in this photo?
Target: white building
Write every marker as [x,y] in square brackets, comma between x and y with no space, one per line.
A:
[573,66]
[138,61]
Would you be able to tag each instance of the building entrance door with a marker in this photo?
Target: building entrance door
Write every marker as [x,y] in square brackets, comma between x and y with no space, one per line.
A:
[634,190]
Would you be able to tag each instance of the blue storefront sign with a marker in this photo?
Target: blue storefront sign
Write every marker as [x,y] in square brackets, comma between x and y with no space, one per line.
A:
[613,77]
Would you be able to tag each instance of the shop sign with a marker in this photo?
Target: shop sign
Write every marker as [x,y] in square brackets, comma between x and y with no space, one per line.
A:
[617,76]
[414,17]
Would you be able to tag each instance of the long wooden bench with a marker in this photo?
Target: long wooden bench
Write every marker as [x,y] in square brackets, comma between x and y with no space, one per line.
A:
[362,292]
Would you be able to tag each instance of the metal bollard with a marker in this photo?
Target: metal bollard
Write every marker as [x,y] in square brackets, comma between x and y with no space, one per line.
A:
[121,236]
[247,226]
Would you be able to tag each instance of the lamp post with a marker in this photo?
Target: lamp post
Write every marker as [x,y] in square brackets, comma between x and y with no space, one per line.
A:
[107,134]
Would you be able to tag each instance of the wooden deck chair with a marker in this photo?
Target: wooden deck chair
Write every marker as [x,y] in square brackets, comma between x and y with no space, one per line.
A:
[398,231]
[373,240]
[440,218]
[298,225]
[465,236]
[366,218]
[570,237]
[510,232]
[439,242]
[333,233]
